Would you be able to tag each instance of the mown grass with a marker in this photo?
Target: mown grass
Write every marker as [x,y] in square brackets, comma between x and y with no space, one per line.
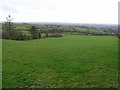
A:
[70,61]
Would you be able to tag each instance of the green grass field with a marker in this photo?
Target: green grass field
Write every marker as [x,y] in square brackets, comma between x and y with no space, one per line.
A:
[69,61]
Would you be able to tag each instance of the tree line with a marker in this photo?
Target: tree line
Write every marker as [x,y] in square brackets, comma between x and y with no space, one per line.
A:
[9,31]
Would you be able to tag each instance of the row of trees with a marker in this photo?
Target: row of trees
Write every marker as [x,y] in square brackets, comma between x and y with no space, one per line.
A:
[9,31]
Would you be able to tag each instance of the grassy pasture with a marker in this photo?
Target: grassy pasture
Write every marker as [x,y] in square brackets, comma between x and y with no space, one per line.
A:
[70,61]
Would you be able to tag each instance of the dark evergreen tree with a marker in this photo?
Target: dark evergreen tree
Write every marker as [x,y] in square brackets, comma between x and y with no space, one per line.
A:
[34,32]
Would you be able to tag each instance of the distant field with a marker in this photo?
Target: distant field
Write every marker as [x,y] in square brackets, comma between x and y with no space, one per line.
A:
[69,61]
[49,27]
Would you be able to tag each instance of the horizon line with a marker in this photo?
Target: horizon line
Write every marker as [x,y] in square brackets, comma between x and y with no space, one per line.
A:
[63,22]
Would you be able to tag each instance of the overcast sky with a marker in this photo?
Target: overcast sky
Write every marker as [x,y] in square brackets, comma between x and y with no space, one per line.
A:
[71,11]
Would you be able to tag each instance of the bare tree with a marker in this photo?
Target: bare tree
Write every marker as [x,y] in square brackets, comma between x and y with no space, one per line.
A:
[8,27]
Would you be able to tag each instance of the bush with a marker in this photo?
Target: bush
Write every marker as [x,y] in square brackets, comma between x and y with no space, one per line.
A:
[20,35]
[5,35]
